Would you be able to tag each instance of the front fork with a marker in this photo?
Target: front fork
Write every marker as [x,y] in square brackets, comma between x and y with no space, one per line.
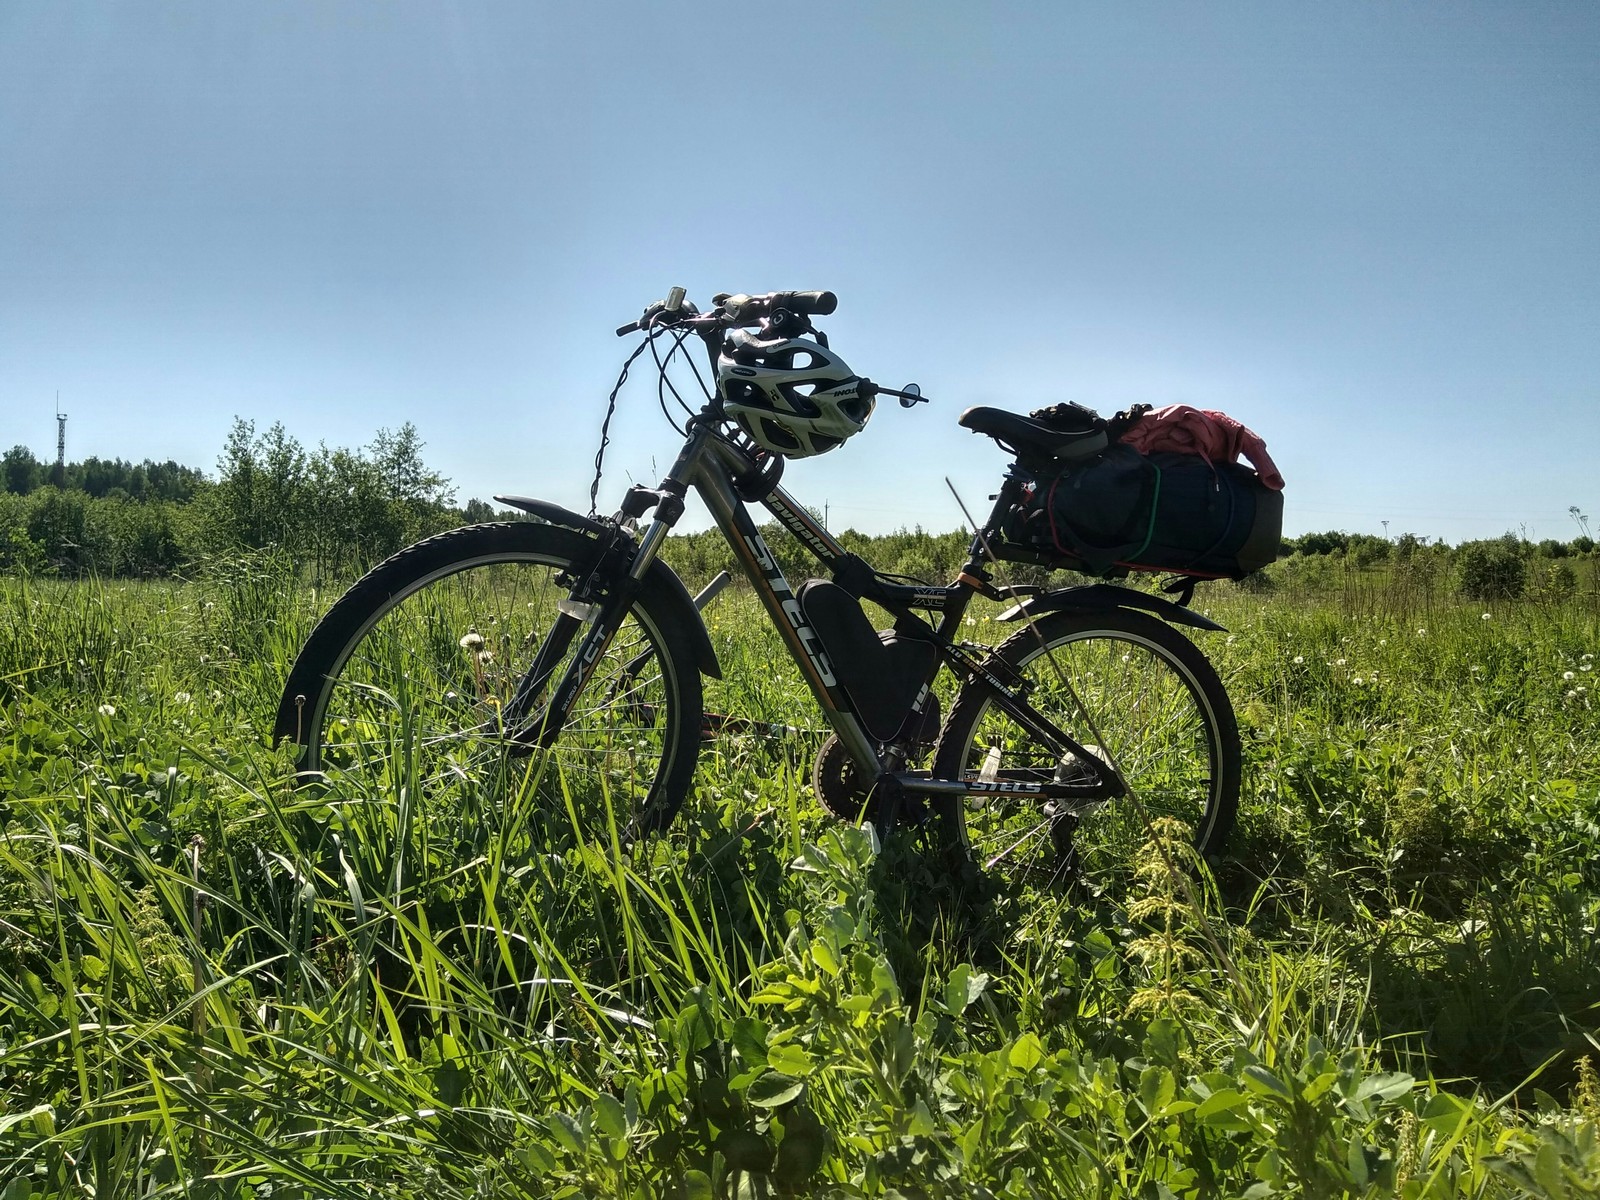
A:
[601,599]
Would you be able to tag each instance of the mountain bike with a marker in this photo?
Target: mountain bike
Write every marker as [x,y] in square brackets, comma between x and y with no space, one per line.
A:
[561,658]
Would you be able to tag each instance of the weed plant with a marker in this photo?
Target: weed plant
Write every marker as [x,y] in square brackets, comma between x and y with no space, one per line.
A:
[212,984]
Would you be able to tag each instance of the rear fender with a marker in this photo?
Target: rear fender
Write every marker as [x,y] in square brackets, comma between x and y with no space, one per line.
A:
[659,576]
[1098,597]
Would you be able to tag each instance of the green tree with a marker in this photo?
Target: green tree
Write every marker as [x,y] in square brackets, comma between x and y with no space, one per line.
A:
[23,472]
[1492,570]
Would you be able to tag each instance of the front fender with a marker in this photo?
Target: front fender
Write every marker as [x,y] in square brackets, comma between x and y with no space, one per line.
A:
[660,575]
[1097,597]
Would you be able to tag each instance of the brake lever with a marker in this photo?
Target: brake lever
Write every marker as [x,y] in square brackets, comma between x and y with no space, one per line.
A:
[675,308]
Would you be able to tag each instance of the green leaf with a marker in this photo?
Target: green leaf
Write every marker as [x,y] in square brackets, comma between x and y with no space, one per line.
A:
[745,1149]
[791,1059]
[609,1117]
[1258,1079]
[1156,1089]
[1224,1101]
[750,1040]
[1320,1086]
[822,954]
[1445,1113]
[964,986]
[802,1150]
[697,1185]
[1026,1053]
[567,1131]
[1385,1087]
[1547,1170]
[1355,1158]
[773,1089]
[536,1158]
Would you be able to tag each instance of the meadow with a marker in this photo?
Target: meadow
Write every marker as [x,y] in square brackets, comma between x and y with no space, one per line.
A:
[212,984]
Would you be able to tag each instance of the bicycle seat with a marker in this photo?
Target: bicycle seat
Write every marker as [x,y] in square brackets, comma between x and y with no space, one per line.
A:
[1029,438]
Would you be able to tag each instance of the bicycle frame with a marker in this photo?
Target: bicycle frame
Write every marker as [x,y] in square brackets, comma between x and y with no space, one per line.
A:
[709,465]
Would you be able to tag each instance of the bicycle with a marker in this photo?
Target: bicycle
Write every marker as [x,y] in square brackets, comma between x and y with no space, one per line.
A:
[564,659]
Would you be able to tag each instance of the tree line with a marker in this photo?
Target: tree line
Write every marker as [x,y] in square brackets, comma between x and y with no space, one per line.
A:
[334,512]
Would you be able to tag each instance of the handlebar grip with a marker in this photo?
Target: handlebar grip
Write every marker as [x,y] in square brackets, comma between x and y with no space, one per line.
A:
[819,304]
[625,330]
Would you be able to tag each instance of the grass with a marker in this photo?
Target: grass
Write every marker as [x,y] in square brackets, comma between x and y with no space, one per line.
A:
[214,985]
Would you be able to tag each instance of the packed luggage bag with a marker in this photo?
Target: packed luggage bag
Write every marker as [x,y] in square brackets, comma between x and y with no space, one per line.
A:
[1121,510]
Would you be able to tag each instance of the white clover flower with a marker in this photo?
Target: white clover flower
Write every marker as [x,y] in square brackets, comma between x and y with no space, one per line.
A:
[107,710]
[1383,641]
[1568,676]
[472,641]
[1585,666]
[1585,657]
[1358,681]
[181,697]
[1422,633]
[1338,662]
[972,620]
[216,695]
[1298,659]
[1573,695]
[1488,616]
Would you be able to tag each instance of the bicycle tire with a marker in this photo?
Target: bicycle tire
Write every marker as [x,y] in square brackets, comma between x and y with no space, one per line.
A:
[1166,724]
[391,688]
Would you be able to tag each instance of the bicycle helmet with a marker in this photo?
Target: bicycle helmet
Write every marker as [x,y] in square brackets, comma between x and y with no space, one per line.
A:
[795,397]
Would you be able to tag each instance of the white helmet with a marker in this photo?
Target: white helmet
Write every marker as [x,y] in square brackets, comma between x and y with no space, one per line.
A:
[793,396]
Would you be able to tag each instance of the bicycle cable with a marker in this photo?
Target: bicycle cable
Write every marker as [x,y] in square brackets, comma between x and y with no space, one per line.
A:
[605,425]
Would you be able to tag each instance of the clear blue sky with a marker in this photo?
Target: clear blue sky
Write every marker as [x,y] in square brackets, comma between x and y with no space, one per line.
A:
[1370,231]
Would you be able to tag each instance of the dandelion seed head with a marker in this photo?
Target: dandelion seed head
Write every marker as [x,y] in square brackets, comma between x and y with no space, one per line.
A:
[181,697]
[472,641]
[1299,658]
[107,710]
[1568,676]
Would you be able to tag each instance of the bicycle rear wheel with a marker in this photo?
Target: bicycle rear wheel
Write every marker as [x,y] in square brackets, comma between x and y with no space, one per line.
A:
[408,680]
[1131,690]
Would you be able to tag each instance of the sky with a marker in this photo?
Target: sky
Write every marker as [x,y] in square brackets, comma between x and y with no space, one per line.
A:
[1371,232]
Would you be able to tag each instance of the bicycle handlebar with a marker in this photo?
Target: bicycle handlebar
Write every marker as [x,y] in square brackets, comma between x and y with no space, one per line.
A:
[733,309]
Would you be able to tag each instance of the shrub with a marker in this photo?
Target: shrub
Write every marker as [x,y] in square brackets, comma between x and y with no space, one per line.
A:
[1491,570]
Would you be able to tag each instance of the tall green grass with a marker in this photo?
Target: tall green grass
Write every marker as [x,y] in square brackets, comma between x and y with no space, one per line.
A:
[214,984]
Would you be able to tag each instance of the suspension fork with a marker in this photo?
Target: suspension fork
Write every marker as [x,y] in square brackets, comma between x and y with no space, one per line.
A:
[603,598]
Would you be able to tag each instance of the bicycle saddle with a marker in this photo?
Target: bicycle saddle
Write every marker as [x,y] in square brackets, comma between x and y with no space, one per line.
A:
[1029,438]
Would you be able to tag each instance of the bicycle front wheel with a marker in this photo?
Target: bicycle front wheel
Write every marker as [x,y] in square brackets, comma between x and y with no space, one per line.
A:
[1132,691]
[408,682]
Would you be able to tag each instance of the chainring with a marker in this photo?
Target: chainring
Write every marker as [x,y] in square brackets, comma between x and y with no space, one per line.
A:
[838,784]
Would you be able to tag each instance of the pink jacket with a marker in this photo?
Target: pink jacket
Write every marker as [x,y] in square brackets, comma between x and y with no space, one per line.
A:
[1214,436]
